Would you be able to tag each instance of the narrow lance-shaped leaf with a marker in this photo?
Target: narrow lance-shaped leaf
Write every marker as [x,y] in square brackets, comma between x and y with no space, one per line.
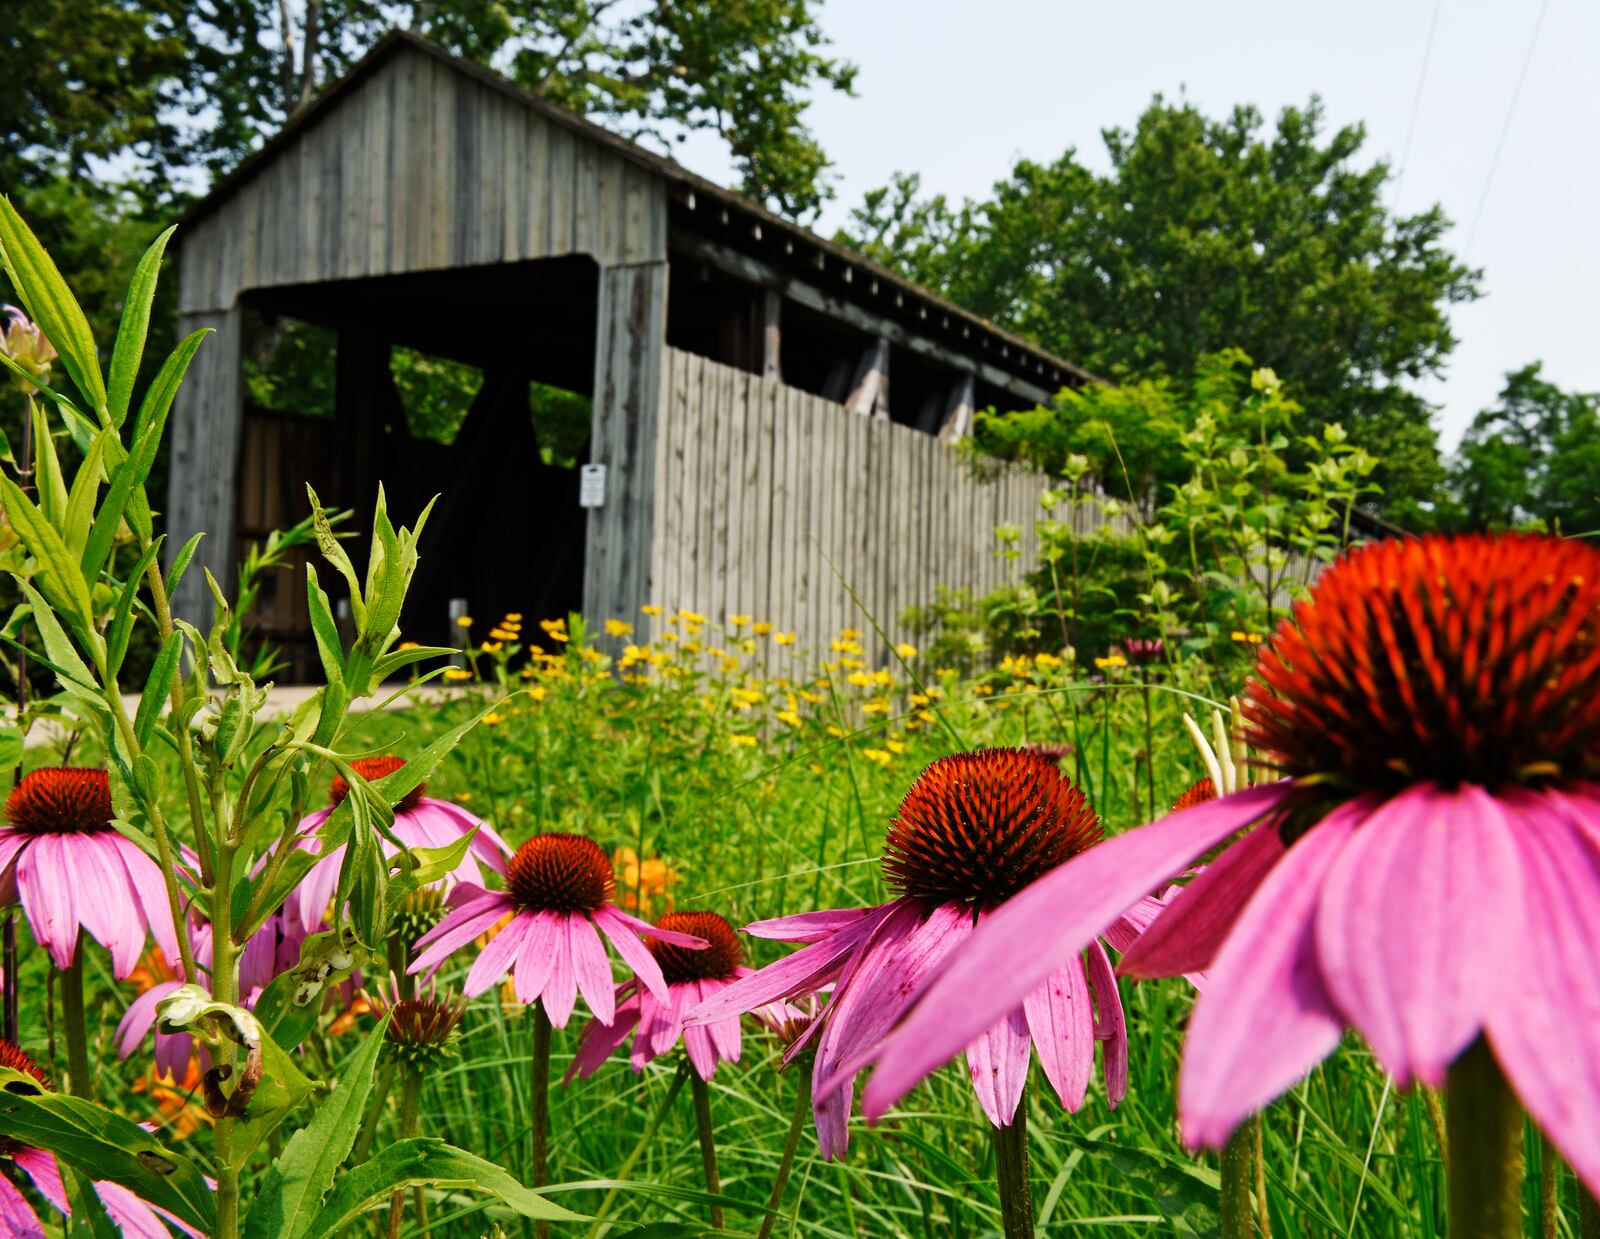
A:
[50,303]
[128,351]
[157,687]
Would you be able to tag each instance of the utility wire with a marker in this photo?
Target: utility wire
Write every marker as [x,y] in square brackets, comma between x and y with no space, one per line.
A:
[1416,105]
[1505,129]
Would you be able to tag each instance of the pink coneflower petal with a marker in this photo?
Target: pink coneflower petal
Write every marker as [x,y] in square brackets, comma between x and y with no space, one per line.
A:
[1545,1028]
[537,955]
[1037,931]
[140,1018]
[46,1175]
[16,1214]
[697,1042]
[1110,1025]
[997,1063]
[106,900]
[657,1029]
[726,1035]
[486,845]
[459,928]
[136,1217]
[495,960]
[669,936]
[805,971]
[1418,923]
[806,926]
[561,990]
[598,1041]
[621,934]
[45,873]
[1265,1017]
[150,886]
[592,969]
[1186,936]
[1060,1016]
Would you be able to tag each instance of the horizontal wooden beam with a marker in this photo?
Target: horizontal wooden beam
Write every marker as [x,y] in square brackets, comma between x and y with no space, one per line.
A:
[754,271]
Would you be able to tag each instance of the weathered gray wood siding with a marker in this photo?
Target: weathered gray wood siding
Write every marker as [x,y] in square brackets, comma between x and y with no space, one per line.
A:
[762,491]
[420,166]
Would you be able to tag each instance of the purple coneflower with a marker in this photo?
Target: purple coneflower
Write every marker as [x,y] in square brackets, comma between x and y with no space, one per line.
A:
[131,1215]
[419,821]
[974,829]
[1142,651]
[1428,872]
[71,870]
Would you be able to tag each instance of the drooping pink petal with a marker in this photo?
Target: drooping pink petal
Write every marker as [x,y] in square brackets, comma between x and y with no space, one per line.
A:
[1545,1026]
[106,900]
[1060,1015]
[702,1054]
[622,935]
[1037,931]
[997,1063]
[806,926]
[807,970]
[598,1042]
[726,1036]
[46,884]
[140,1017]
[136,1217]
[561,990]
[150,886]
[457,929]
[1418,922]
[669,936]
[464,900]
[831,1117]
[46,1176]
[313,896]
[486,845]
[1265,1017]
[592,968]
[16,1214]
[1188,932]
[1110,1025]
[536,957]
[658,1029]
[496,959]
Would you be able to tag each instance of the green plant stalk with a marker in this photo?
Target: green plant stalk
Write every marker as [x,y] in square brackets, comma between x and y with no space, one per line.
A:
[80,1083]
[1549,1189]
[1012,1174]
[1236,1206]
[1149,744]
[791,1144]
[645,1140]
[539,1106]
[410,1109]
[1485,1127]
[1258,1150]
[224,989]
[708,1142]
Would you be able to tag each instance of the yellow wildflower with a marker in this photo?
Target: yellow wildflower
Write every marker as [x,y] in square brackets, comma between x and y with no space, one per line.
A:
[464,621]
[741,741]
[895,746]
[783,638]
[513,617]
[457,673]
[761,628]
[650,608]
[789,717]
[836,731]
[493,719]
[878,706]
[881,756]
[406,645]
[860,679]
[491,647]
[854,663]
[738,621]
[850,634]
[906,650]
[618,628]
[691,617]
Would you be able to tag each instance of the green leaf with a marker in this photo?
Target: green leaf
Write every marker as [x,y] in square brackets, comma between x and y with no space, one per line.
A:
[129,349]
[290,1193]
[392,788]
[11,747]
[121,626]
[49,482]
[158,687]
[103,533]
[392,662]
[329,648]
[328,544]
[60,579]
[157,402]
[180,562]
[425,1162]
[81,502]
[69,668]
[103,1145]
[89,1219]
[48,300]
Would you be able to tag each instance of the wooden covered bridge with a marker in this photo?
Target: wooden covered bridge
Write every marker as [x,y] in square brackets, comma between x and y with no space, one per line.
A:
[769,406]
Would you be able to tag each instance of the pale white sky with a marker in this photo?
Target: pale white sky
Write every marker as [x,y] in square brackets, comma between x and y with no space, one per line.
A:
[957,91]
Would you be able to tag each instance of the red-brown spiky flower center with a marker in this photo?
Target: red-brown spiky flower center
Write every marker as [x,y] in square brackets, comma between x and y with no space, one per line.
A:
[370,769]
[1197,793]
[12,1057]
[976,828]
[716,963]
[424,1020]
[560,873]
[1449,659]
[61,800]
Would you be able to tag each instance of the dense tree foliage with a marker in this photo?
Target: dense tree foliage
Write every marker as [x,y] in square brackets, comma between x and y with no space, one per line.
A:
[1208,234]
[1534,457]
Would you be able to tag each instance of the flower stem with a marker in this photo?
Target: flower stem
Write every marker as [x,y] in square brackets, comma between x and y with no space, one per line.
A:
[1263,1214]
[225,989]
[708,1142]
[1236,1209]
[80,1083]
[1485,1128]
[410,1108]
[1149,745]
[791,1143]
[1549,1189]
[645,1140]
[539,1106]
[1012,1175]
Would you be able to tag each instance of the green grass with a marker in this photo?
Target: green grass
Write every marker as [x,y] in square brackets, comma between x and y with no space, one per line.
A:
[791,823]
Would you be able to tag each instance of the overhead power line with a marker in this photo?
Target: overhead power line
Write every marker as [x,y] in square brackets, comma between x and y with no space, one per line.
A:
[1416,104]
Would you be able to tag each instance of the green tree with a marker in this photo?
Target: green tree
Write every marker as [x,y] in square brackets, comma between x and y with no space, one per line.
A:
[1531,459]
[1208,234]
[741,70]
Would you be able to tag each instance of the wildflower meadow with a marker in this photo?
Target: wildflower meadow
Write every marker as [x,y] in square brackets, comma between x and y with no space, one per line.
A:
[1279,918]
